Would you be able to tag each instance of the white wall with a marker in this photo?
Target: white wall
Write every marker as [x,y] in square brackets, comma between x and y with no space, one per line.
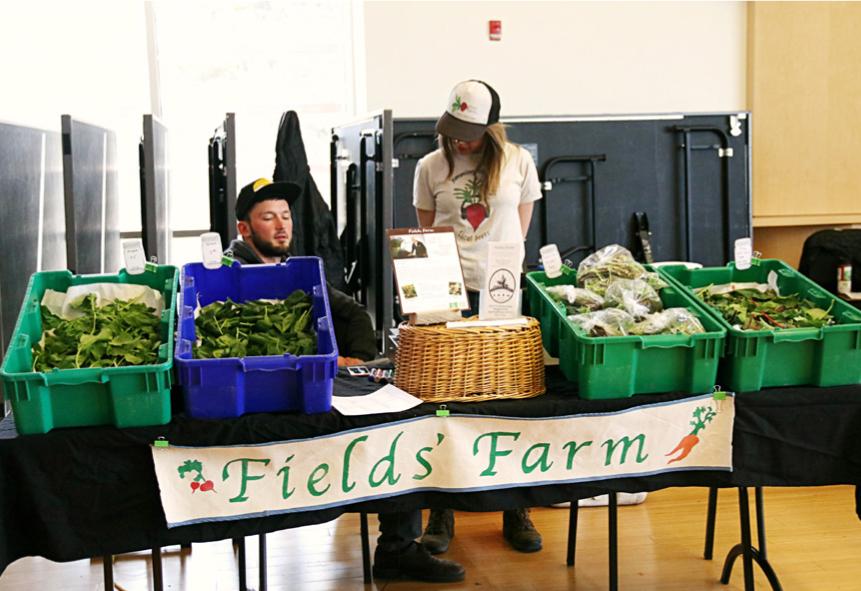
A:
[558,57]
[87,59]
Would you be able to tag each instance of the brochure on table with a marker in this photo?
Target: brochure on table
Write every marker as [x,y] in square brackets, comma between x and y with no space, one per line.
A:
[500,294]
[427,270]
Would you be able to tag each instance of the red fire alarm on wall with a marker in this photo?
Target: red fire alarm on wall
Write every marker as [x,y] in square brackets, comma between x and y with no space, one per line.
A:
[495,30]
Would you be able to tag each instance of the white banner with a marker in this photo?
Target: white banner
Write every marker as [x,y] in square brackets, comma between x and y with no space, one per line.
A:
[454,453]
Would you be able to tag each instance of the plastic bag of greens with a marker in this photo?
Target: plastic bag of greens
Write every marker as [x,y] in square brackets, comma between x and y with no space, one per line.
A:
[655,280]
[635,296]
[598,270]
[669,321]
[611,322]
[577,300]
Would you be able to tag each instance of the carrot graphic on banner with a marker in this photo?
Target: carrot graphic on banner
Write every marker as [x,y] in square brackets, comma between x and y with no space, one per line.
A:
[702,415]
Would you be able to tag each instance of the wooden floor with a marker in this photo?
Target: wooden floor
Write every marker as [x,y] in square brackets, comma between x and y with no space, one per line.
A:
[814,543]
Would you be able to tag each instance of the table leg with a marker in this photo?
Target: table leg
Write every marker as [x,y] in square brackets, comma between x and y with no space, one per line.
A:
[366,547]
[572,531]
[760,522]
[108,570]
[711,517]
[612,509]
[240,546]
[157,577]
[262,546]
[748,552]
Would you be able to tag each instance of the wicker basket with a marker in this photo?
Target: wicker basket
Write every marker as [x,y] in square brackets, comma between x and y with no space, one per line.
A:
[440,364]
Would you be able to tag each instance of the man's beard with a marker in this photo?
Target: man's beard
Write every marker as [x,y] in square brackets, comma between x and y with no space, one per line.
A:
[267,249]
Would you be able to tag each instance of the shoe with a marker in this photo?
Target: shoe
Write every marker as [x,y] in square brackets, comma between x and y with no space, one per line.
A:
[439,532]
[415,563]
[518,529]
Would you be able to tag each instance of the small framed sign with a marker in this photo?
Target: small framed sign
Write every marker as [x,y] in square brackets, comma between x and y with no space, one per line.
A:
[427,269]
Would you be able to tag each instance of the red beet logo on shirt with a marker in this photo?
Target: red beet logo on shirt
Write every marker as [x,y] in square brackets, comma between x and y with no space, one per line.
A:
[474,213]
[472,209]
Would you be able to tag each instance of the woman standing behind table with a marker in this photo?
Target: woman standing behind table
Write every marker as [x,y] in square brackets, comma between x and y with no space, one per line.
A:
[484,186]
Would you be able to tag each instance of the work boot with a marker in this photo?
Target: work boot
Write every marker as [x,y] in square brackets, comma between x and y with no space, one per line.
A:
[439,532]
[518,529]
[415,563]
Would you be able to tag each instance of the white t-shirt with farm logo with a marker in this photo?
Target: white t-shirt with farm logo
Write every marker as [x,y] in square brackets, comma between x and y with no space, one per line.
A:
[457,203]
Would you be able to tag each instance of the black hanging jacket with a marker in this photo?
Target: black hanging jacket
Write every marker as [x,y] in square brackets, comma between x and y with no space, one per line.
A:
[314,230]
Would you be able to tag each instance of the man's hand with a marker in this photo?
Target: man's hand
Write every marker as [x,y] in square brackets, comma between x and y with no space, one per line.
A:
[347,361]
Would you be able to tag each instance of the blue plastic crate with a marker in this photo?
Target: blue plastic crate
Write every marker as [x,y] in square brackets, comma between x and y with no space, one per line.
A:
[230,387]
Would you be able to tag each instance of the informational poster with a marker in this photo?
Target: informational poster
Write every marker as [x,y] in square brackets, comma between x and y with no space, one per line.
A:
[427,269]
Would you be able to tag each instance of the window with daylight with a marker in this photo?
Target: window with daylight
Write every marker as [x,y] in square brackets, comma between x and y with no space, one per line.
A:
[257,60]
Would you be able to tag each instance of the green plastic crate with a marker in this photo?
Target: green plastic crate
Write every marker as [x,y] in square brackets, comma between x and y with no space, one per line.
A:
[618,367]
[131,396]
[828,356]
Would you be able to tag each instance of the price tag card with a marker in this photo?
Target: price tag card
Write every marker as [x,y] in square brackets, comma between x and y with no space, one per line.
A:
[210,247]
[427,270]
[134,256]
[551,260]
[743,253]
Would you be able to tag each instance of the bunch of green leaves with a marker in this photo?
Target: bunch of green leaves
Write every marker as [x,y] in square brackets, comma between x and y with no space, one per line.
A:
[751,309]
[256,327]
[118,334]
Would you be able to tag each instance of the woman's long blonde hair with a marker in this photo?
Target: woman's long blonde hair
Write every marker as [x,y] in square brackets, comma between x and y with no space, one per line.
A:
[490,160]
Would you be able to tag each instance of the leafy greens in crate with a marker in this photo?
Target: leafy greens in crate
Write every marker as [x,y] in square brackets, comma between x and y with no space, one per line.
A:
[619,297]
[120,333]
[257,327]
[761,308]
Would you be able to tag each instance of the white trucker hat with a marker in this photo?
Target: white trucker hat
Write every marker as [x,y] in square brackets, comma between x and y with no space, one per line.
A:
[472,106]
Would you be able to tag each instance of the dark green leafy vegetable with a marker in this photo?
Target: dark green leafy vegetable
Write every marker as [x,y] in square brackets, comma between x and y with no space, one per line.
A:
[257,327]
[118,334]
[752,309]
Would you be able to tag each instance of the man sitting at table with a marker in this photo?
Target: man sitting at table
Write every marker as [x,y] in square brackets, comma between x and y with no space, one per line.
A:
[265,225]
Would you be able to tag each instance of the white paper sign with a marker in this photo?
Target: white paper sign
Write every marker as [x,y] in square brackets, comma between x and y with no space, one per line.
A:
[134,256]
[743,253]
[389,398]
[500,295]
[551,260]
[210,249]
[458,453]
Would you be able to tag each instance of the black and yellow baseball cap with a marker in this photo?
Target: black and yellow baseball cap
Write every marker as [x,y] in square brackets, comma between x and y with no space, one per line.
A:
[263,190]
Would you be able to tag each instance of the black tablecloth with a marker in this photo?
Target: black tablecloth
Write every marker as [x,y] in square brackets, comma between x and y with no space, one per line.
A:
[74,493]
